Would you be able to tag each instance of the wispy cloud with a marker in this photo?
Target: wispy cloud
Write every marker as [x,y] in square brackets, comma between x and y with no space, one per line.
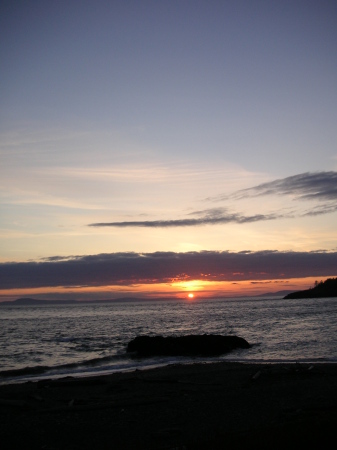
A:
[305,186]
[318,186]
[207,217]
[325,208]
[125,269]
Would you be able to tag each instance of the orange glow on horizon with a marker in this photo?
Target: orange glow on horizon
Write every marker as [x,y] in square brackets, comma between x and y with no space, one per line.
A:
[182,289]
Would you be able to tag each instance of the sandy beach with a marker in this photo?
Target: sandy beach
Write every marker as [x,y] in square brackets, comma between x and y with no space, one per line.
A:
[200,406]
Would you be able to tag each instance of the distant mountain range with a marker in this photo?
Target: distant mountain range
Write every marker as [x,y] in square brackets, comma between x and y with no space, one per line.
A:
[327,288]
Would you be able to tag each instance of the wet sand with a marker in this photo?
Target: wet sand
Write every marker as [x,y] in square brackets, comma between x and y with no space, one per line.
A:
[201,406]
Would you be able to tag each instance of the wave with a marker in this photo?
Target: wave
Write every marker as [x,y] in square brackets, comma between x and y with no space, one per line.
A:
[35,370]
[106,364]
[39,370]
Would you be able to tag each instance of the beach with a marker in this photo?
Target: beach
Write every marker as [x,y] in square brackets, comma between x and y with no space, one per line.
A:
[196,406]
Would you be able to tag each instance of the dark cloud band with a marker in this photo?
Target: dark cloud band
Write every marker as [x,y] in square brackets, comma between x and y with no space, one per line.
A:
[165,267]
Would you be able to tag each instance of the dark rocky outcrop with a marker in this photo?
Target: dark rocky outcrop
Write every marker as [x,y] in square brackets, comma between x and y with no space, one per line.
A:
[205,345]
[325,289]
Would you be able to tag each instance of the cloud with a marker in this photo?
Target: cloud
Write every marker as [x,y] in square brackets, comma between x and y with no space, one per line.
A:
[305,186]
[319,186]
[126,269]
[207,217]
[324,208]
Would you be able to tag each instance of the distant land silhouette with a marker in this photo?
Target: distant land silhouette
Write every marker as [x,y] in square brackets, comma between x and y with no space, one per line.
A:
[34,301]
[28,301]
[323,289]
[275,294]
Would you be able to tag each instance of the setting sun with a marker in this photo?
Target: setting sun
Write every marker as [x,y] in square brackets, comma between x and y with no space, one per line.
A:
[190,295]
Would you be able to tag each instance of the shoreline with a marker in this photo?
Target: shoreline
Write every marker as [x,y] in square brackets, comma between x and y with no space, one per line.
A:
[181,406]
[38,374]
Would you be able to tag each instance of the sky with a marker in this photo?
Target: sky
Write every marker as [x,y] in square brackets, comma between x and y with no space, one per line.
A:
[157,148]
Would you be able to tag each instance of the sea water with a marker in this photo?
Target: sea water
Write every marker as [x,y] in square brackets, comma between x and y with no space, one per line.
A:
[86,339]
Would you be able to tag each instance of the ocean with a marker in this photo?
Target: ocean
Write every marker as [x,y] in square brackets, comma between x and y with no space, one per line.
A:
[50,341]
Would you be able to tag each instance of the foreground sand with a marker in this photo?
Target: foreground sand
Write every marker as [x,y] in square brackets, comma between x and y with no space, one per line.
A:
[201,406]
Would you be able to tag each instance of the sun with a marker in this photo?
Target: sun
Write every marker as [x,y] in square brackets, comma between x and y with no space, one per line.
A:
[190,295]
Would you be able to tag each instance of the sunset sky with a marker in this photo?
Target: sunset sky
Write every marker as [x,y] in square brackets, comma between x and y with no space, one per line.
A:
[157,148]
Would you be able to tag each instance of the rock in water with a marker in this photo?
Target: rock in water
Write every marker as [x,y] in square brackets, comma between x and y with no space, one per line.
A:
[205,345]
